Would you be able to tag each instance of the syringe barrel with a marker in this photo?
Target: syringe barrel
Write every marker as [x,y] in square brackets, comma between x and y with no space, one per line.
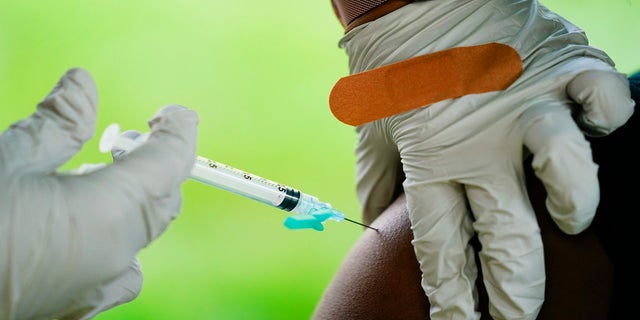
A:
[251,186]
[237,181]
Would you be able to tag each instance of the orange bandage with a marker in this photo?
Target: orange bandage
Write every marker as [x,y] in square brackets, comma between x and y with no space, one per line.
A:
[423,80]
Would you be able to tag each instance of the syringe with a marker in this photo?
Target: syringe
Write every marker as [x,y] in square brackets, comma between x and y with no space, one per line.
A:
[311,211]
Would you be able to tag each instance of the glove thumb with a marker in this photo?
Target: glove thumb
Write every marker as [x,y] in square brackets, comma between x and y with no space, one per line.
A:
[155,170]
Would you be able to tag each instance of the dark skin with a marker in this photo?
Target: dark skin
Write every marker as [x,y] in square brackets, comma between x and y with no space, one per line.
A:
[587,274]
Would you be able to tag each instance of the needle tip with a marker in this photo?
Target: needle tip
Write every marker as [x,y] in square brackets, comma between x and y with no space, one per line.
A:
[362,224]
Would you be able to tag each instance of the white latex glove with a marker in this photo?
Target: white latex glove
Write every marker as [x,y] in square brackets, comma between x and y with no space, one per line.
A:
[463,157]
[604,99]
[68,242]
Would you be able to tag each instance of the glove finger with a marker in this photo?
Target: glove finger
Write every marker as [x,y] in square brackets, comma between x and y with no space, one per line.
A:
[148,179]
[562,161]
[63,121]
[605,98]
[166,159]
[379,173]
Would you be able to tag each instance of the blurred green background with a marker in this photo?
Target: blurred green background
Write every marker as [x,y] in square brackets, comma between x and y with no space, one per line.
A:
[259,74]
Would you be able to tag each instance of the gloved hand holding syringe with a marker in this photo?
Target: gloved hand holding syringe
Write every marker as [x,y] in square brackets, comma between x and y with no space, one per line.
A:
[311,212]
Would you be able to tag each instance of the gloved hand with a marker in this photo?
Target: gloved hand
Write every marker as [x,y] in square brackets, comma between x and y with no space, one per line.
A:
[460,157]
[69,240]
